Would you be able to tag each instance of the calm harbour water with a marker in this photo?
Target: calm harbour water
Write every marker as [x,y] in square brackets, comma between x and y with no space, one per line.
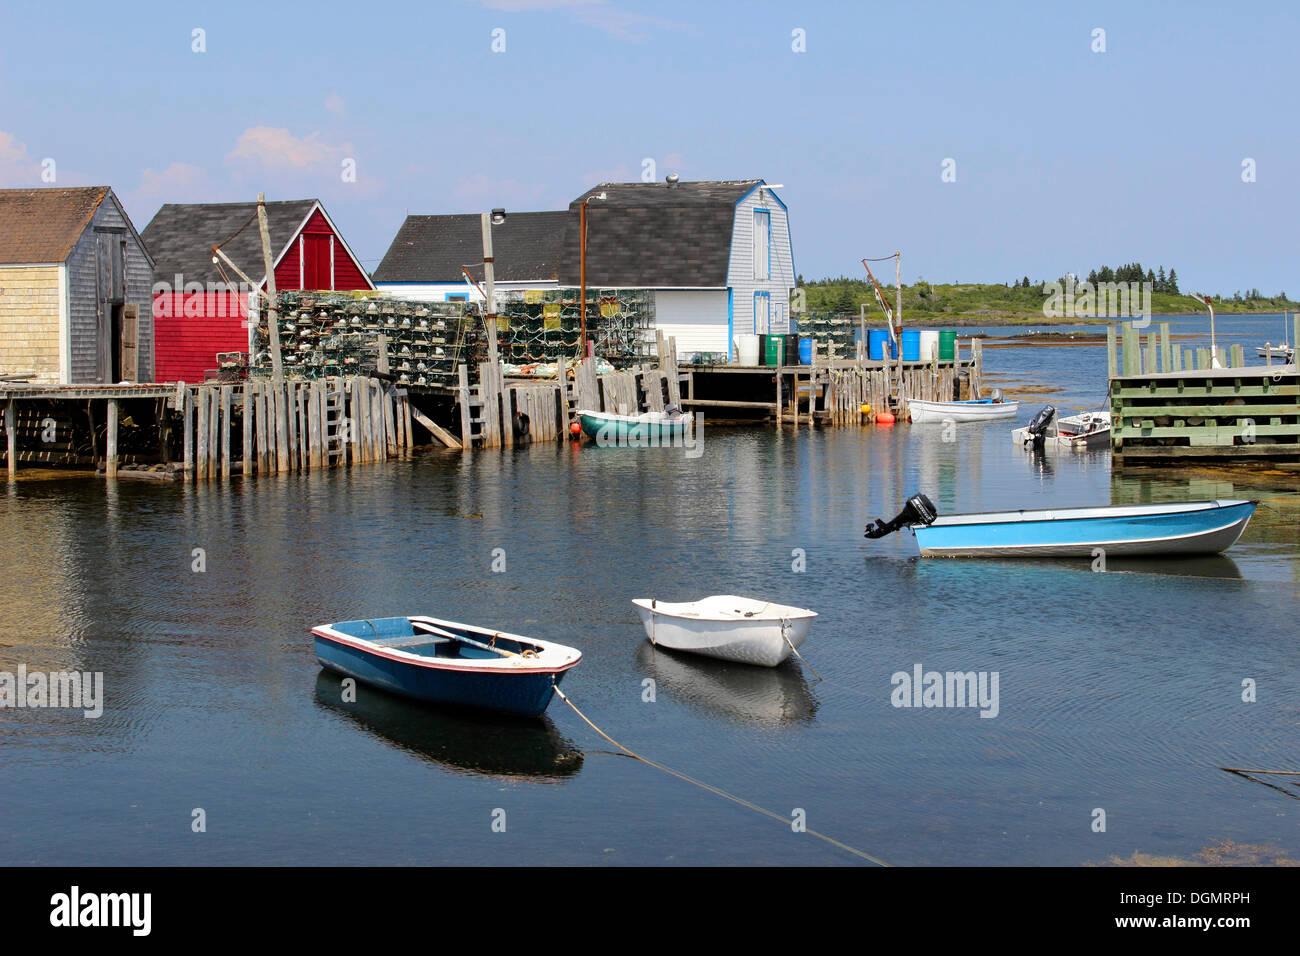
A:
[1119,690]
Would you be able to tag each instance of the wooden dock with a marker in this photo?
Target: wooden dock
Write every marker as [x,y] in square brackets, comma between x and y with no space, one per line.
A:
[829,391]
[1170,405]
[253,427]
[209,431]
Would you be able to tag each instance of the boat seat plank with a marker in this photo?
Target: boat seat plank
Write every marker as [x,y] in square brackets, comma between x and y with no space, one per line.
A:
[408,640]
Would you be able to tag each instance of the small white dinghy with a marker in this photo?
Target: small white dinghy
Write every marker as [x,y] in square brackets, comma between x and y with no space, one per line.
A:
[975,410]
[727,627]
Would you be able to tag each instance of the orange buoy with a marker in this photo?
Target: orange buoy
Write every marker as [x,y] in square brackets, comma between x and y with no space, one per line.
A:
[575,428]
[885,418]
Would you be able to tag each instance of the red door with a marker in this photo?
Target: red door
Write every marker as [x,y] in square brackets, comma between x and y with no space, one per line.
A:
[316,273]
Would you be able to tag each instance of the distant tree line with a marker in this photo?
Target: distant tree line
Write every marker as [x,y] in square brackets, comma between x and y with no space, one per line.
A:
[1129,272]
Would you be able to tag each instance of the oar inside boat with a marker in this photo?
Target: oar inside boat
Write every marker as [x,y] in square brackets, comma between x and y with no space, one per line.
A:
[918,510]
[430,629]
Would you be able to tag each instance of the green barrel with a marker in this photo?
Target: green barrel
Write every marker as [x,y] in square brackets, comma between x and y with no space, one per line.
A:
[772,345]
[947,345]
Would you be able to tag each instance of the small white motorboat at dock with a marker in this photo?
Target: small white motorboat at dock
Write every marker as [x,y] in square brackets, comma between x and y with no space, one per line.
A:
[1085,430]
[727,627]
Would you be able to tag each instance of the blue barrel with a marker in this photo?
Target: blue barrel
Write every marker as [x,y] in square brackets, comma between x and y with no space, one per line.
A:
[805,350]
[878,344]
[911,345]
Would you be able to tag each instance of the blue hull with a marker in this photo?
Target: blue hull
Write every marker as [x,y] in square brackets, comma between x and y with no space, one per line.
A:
[452,681]
[1208,530]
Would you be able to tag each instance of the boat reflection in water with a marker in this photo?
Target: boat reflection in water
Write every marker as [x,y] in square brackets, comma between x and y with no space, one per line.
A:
[775,696]
[1194,566]
[477,742]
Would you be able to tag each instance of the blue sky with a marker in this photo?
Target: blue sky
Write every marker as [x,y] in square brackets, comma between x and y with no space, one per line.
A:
[1065,158]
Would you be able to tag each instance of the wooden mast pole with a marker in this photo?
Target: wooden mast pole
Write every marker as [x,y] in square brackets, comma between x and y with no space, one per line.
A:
[489,292]
[272,316]
[582,275]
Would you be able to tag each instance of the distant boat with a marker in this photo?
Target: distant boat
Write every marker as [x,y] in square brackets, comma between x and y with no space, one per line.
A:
[651,428]
[447,663]
[975,410]
[1087,430]
[727,627]
[1284,350]
[1193,527]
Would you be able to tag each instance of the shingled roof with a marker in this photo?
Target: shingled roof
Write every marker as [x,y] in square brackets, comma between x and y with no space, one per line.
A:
[655,234]
[433,248]
[181,236]
[42,225]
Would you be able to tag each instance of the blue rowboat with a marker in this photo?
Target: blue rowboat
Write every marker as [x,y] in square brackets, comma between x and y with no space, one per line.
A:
[447,663]
[1184,528]
[650,430]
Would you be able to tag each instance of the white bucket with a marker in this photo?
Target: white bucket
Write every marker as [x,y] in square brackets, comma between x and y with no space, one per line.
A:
[747,349]
[929,345]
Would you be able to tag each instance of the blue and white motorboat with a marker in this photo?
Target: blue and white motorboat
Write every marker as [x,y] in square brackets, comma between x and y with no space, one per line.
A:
[447,663]
[1183,528]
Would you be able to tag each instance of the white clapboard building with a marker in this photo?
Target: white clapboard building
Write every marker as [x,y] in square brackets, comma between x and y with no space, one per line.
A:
[716,255]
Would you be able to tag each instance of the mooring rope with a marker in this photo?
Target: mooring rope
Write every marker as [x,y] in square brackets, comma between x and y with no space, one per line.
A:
[785,636]
[1291,518]
[704,786]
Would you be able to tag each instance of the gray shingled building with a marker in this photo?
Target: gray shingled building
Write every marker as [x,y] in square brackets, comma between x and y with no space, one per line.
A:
[716,255]
[75,289]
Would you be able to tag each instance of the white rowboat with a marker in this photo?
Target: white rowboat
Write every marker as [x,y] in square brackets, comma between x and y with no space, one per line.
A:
[727,627]
[980,410]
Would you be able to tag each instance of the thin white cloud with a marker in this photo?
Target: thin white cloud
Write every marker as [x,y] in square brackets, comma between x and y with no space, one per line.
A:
[335,104]
[600,14]
[179,182]
[17,167]
[481,191]
[276,148]
[622,173]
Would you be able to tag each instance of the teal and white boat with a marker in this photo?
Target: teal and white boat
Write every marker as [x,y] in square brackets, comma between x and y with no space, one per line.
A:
[1181,528]
[637,431]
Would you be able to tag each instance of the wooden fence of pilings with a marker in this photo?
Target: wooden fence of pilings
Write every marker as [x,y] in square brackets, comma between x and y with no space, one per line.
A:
[219,429]
[297,426]
[499,412]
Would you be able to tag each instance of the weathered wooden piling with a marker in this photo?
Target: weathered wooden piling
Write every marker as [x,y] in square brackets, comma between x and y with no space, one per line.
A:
[11,436]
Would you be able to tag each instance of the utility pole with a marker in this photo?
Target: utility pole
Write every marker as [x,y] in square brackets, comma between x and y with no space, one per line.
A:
[272,316]
[582,275]
[898,314]
[489,291]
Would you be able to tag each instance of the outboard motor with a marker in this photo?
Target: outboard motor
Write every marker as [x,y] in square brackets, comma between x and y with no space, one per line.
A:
[996,395]
[1037,427]
[918,510]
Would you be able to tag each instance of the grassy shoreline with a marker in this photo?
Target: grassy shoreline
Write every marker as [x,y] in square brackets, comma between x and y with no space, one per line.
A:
[963,305]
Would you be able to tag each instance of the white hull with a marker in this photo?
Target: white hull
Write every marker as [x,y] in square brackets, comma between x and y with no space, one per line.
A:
[718,627]
[1090,430]
[933,413]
